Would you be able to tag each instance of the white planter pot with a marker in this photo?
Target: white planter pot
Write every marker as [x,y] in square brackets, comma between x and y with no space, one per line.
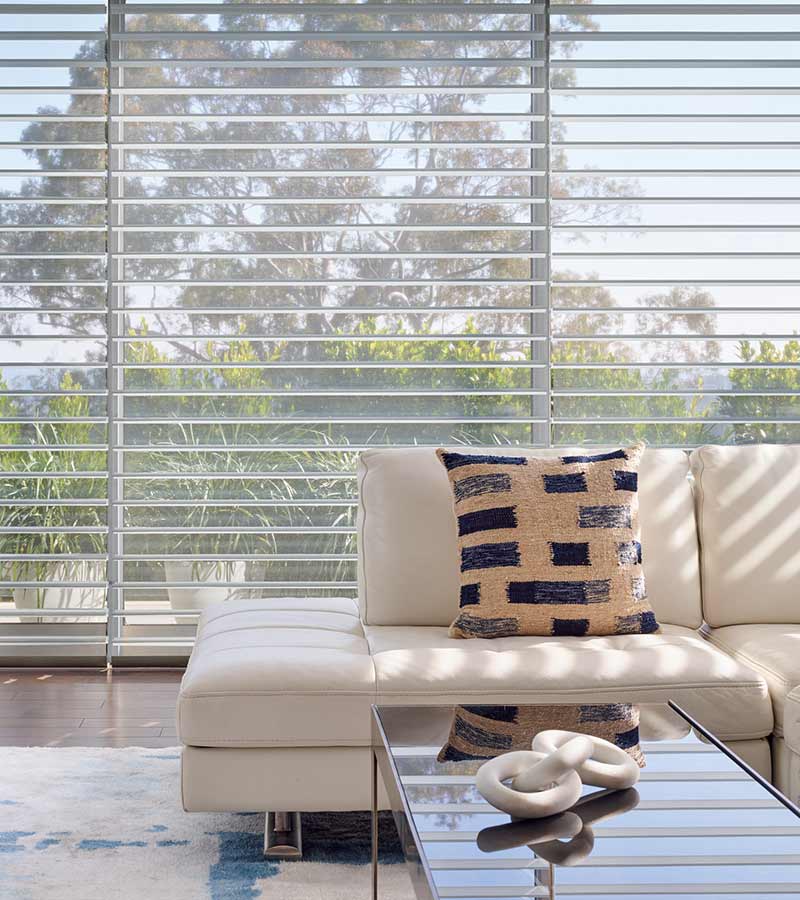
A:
[61,596]
[207,575]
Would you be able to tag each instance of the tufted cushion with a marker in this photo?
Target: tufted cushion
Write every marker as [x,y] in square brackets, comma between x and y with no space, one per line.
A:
[548,545]
[278,672]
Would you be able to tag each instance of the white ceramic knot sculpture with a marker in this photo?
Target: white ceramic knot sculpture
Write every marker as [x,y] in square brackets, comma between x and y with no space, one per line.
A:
[549,778]
[607,766]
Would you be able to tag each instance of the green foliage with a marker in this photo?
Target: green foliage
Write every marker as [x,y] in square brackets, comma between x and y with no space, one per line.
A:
[195,393]
[779,394]
[634,395]
[38,491]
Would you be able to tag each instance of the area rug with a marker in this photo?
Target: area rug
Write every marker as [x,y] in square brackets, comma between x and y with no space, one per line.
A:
[95,824]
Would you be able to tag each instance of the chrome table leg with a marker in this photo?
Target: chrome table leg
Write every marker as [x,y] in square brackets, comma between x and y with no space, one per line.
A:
[374,826]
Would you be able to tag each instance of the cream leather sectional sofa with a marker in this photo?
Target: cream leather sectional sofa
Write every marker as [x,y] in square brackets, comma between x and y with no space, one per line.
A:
[274,709]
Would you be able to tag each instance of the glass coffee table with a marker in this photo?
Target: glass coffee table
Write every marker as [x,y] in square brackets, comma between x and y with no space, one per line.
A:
[700,823]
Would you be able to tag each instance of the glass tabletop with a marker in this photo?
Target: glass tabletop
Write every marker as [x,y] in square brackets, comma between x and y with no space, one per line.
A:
[699,823]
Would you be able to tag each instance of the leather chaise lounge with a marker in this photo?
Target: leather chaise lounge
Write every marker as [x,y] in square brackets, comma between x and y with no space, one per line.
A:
[274,708]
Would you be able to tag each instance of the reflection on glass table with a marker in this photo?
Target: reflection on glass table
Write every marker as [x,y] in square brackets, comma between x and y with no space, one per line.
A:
[699,823]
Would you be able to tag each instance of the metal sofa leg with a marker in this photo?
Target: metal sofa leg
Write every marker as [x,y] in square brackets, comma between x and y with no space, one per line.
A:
[283,836]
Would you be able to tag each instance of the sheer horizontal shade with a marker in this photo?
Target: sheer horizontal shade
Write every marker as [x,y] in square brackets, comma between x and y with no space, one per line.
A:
[241,242]
[360,229]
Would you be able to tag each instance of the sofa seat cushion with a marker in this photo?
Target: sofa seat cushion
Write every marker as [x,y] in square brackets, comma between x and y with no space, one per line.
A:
[771,650]
[423,665]
[791,727]
[275,672]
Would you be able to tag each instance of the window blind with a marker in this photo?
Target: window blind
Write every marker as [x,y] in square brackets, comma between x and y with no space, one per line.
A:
[675,217]
[328,233]
[240,242]
[52,336]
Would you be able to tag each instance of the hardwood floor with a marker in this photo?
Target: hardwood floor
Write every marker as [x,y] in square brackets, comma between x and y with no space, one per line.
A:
[88,708]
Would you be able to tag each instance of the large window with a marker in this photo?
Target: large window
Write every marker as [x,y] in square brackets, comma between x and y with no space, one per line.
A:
[243,241]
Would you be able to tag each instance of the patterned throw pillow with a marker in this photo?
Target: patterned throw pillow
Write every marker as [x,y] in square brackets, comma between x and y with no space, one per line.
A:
[549,546]
[483,732]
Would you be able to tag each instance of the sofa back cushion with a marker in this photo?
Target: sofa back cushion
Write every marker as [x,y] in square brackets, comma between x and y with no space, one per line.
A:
[408,558]
[748,514]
